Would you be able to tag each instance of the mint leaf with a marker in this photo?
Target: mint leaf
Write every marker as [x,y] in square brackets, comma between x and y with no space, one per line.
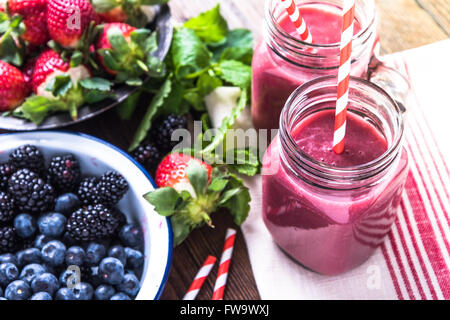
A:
[189,54]
[238,46]
[198,177]
[96,84]
[165,200]
[94,96]
[236,73]
[126,109]
[156,104]
[227,123]
[246,162]
[207,83]
[210,26]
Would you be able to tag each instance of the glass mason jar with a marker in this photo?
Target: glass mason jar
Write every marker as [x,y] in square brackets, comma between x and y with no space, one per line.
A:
[331,218]
[282,62]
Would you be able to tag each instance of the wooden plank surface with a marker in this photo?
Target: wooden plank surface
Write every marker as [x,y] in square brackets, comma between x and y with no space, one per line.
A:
[404,24]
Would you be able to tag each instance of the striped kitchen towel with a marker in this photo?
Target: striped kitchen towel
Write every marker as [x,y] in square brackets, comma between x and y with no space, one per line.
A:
[414,260]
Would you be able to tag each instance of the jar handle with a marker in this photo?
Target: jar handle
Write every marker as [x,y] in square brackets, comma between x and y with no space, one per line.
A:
[391,80]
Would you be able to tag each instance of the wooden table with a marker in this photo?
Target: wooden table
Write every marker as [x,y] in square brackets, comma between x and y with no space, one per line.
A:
[404,24]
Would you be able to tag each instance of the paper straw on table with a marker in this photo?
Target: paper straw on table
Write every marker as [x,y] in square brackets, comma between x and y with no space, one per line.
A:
[224,266]
[297,19]
[200,278]
[348,17]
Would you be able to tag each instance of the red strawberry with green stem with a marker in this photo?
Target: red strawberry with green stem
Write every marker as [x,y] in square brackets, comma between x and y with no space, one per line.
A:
[33,13]
[13,88]
[126,52]
[60,85]
[190,190]
[70,21]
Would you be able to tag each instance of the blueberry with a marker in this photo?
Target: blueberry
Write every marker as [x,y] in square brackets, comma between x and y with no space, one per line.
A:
[70,276]
[104,292]
[8,273]
[25,225]
[130,285]
[95,252]
[111,270]
[45,282]
[18,290]
[41,296]
[2,298]
[135,258]
[54,253]
[75,256]
[28,256]
[65,294]
[52,224]
[67,203]
[8,258]
[131,235]
[118,252]
[83,291]
[31,271]
[41,240]
[120,296]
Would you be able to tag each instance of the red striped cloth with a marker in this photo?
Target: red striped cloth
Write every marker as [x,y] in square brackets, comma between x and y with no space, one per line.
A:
[414,260]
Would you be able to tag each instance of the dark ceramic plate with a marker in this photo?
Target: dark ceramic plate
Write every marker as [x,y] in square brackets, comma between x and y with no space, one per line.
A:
[162,23]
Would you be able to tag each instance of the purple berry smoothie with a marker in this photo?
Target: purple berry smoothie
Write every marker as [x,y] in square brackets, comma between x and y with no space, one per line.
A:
[327,230]
[275,77]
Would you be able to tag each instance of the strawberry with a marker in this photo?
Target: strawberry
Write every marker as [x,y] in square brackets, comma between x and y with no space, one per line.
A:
[126,52]
[61,85]
[114,15]
[172,171]
[33,13]
[13,88]
[28,71]
[69,20]
[190,190]
[137,13]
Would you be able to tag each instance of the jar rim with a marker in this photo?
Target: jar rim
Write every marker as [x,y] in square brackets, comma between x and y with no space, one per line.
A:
[358,39]
[328,172]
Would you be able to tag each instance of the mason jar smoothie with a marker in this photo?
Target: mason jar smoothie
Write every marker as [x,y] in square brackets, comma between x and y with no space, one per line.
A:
[282,61]
[331,211]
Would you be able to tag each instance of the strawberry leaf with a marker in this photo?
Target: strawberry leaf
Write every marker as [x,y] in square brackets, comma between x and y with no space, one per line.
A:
[95,83]
[60,85]
[36,108]
[165,200]
[118,42]
[237,200]
[198,177]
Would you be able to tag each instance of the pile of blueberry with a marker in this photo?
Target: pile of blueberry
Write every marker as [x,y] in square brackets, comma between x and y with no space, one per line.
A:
[61,234]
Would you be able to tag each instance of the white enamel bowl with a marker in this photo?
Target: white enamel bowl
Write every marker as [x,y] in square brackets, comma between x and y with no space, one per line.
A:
[97,156]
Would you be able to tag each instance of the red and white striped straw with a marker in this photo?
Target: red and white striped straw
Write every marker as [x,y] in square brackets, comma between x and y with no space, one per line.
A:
[224,266]
[200,278]
[348,17]
[297,19]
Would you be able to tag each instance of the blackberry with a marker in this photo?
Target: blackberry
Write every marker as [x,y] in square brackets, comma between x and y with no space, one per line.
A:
[6,170]
[29,157]
[87,191]
[25,244]
[92,223]
[111,188]
[8,239]
[30,192]
[162,131]
[6,207]
[149,156]
[64,173]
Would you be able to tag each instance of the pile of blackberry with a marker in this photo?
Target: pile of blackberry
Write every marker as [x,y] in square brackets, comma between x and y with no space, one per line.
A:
[159,141]
[61,234]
